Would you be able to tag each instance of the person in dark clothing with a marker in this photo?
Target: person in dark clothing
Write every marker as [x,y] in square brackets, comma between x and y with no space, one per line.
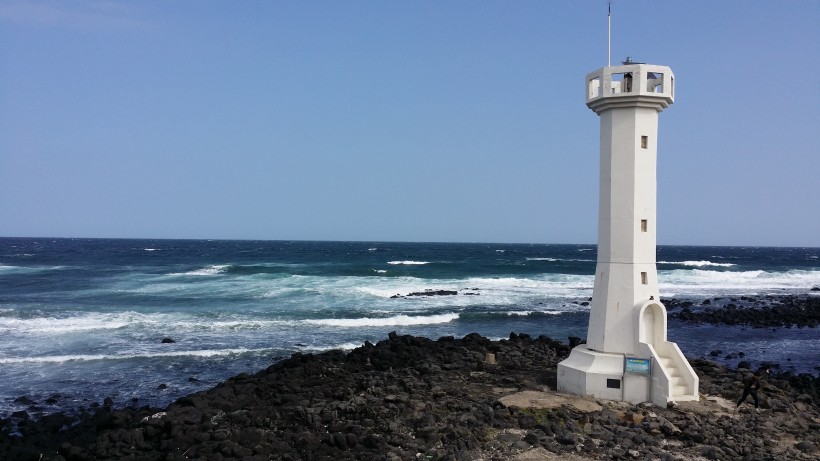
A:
[750,386]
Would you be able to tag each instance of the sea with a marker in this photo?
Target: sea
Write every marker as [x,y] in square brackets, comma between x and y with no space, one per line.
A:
[82,320]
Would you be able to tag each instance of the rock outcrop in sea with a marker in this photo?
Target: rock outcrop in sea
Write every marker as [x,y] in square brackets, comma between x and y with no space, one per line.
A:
[760,312]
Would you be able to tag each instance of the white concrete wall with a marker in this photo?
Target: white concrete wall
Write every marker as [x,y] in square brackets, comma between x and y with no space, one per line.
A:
[585,372]
[627,195]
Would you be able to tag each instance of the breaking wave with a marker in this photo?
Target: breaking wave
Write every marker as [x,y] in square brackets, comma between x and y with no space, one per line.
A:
[89,357]
[398,320]
[697,263]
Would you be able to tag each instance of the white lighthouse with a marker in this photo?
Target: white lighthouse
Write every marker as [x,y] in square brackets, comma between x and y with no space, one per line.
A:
[627,356]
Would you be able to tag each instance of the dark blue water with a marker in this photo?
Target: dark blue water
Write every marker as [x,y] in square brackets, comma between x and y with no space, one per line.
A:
[85,318]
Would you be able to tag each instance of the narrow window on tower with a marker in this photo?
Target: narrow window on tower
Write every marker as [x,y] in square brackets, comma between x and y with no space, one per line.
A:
[644,141]
[644,278]
[643,225]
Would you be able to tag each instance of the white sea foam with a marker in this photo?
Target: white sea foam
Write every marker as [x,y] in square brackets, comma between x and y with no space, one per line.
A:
[4,269]
[398,320]
[51,325]
[388,290]
[557,283]
[205,353]
[701,281]
[215,269]
[408,263]
[280,292]
[152,249]
[491,291]
[586,260]
[527,313]
[347,346]
[380,271]
[697,263]
[197,324]
[135,322]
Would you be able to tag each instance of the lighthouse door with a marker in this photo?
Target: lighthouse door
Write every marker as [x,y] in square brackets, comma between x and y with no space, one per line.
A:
[652,325]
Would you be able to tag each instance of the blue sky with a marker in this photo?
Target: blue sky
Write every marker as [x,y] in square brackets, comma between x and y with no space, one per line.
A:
[387,120]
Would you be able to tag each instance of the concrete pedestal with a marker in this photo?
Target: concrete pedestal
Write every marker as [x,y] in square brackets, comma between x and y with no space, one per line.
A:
[601,375]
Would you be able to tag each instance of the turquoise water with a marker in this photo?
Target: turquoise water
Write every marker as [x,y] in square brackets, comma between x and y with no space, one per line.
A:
[82,320]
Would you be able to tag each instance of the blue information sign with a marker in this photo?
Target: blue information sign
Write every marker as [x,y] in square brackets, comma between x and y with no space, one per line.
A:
[633,365]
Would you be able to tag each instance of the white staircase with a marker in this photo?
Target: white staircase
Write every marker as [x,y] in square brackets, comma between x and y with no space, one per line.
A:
[677,383]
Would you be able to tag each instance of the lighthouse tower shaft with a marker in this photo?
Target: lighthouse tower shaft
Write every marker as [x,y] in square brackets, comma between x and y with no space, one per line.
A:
[625,275]
[627,356]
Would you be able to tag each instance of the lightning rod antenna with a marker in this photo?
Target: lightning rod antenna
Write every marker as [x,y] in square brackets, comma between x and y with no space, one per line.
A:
[609,34]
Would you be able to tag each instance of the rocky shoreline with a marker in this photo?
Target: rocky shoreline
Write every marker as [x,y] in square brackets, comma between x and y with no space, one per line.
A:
[760,312]
[414,398]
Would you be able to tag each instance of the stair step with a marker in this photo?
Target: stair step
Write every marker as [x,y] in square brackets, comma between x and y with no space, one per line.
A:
[680,390]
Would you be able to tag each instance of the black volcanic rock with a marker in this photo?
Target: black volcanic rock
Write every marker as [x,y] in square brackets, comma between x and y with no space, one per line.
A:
[414,398]
[785,311]
[434,293]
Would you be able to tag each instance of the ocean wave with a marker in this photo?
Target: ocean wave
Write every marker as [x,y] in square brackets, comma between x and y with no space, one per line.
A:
[401,287]
[490,290]
[215,269]
[530,313]
[408,263]
[697,263]
[203,353]
[574,260]
[51,325]
[152,249]
[398,320]
[346,346]
[228,325]
[547,282]
[708,282]
[243,270]
[98,322]
[280,292]
[7,269]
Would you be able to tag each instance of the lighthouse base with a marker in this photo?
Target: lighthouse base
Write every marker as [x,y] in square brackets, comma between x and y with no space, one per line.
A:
[601,375]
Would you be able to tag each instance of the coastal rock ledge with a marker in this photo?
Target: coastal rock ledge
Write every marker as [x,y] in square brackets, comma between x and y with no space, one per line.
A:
[409,398]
